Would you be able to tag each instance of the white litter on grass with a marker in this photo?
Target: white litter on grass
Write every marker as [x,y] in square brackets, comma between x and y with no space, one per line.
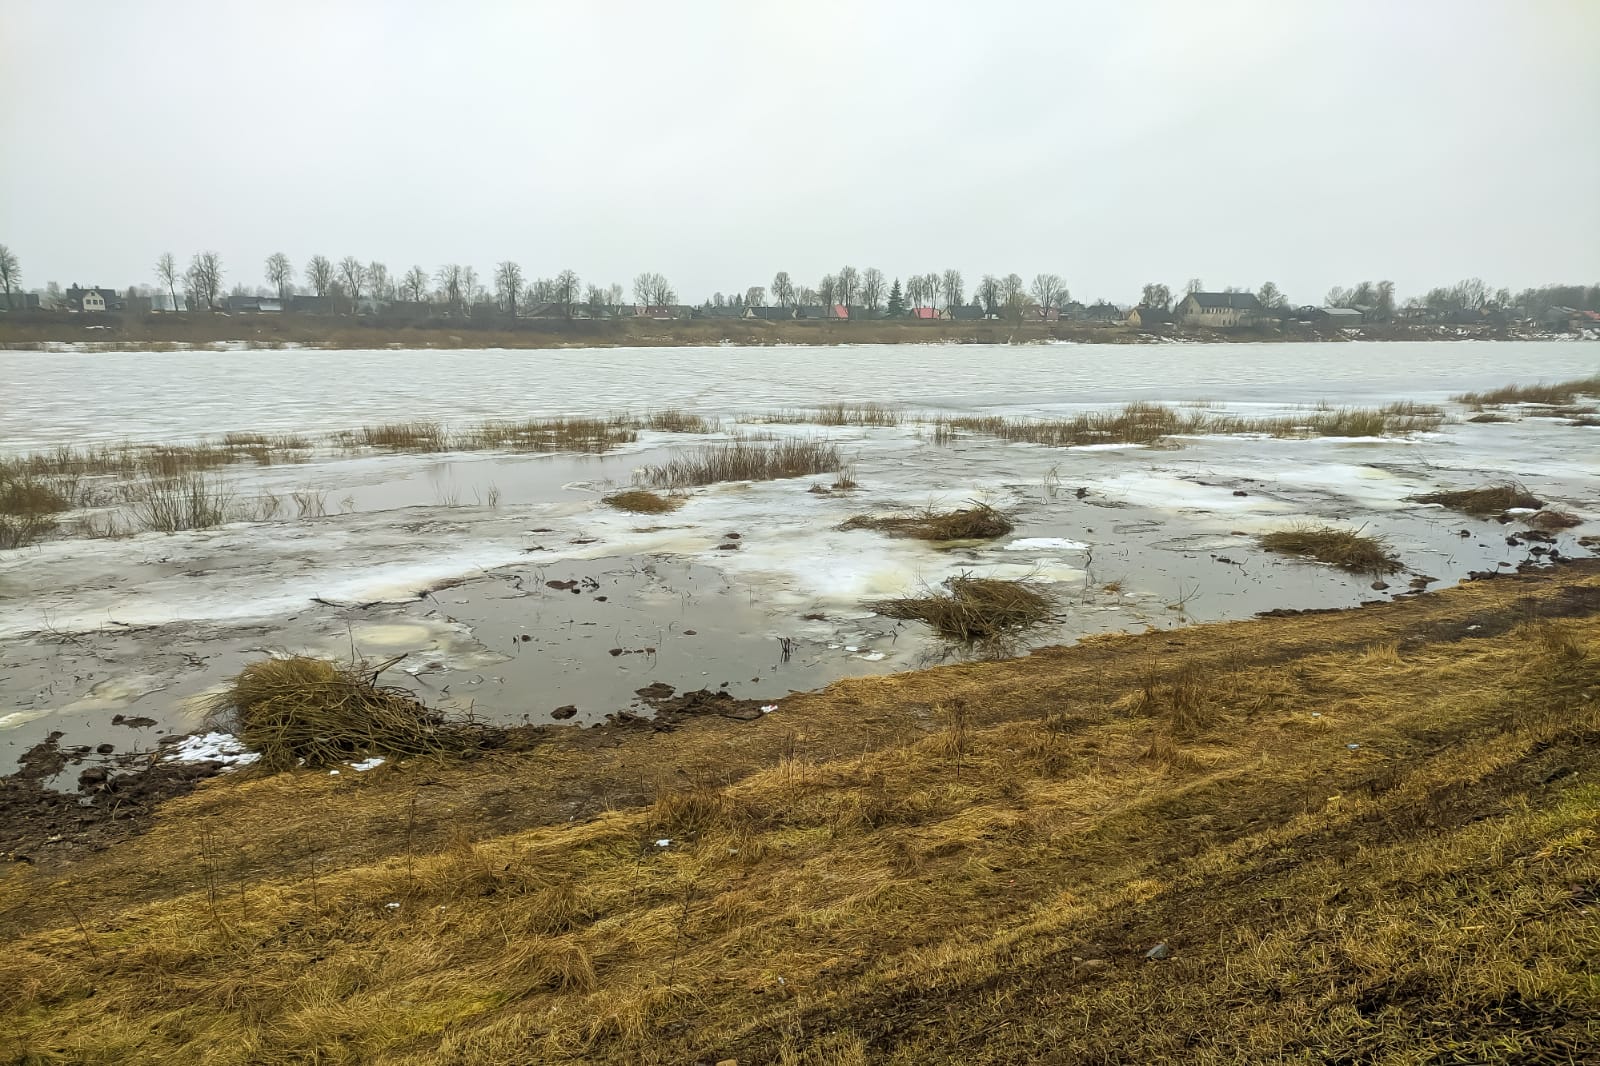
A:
[1521,510]
[663,843]
[392,906]
[768,708]
[333,773]
[366,764]
[1039,543]
[224,748]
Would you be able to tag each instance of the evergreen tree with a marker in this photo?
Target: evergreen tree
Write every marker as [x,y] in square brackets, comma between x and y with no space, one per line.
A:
[897,300]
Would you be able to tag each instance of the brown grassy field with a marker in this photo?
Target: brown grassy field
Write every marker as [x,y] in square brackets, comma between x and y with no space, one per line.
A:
[1368,836]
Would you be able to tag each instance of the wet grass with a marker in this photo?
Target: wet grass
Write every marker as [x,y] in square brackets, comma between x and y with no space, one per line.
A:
[1490,500]
[21,530]
[978,522]
[1347,549]
[23,494]
[405,436]
[1554,394]
[307,712]
[560,434]
[643,501]
[743,459]
[975,611]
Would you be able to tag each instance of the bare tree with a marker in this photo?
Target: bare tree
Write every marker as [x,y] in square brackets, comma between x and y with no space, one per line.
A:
[1012,289]
[205,276]
[415,285]
[828,291]
[641,288]
[1385,306]
[378,283]
[755,296]
[988,294]
[508,286]
[1049,290]
[319,275]
[471,291]
[950,285]
[167,272]
[1156,295]
[805,296]
[10,273]
[1269,296]
[567,291]
[872,288]
[614,297]
[279,274]
[353,276]
[848,285]
[783,289]
[1195,285]
[449,280]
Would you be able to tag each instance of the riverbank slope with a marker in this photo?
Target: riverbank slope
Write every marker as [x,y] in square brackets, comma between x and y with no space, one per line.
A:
[1342,836]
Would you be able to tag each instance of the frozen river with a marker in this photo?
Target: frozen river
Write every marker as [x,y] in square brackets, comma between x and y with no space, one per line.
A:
[449,559]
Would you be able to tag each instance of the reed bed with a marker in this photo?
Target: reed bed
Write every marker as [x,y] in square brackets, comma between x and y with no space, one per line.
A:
[1150,423]
[743,459]
[1554,394]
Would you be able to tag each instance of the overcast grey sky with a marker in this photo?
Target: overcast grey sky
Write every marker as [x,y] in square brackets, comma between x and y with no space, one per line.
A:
[1114,143]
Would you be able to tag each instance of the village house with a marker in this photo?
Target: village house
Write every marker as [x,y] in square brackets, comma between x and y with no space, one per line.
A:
[1217,310]
[1149,317]
[833,311]
[769,314]
[924,314]
[80,299]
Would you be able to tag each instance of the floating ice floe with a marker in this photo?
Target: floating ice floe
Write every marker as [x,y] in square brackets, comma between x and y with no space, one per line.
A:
[1042,543]
[224,748]
[874,656]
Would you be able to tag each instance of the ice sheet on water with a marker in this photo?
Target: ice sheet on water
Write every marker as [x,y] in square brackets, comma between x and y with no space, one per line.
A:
[1025,544]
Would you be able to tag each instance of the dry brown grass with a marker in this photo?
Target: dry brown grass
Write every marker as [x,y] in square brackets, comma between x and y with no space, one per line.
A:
[1347,549]
[978,522]
[1150,423]
[1553,520]
[1556,394]
[560,434]
[961,866]
[301,711]
[1490,500]
[673,420]
[643,501]
[743,459]
[985,612]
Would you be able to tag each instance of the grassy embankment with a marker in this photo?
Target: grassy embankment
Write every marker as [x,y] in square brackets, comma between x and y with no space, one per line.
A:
[161,332]
[1368,836]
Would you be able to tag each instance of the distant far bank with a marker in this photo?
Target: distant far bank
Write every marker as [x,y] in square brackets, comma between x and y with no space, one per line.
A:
[179,332]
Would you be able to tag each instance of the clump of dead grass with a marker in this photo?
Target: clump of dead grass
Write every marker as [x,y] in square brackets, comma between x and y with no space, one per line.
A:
[673,420]
[405,436]
[642,501]
[559,434]
[1490,500]
[1347,549]
[743,459]
[978,611]
[170,504]
[1553,520]
[305,711]
[977,522]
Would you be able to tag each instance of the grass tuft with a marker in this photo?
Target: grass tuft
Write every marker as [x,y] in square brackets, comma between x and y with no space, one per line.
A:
[1346,549]
[975,610]
[305,711]
[744,459]
[1490,500]
[978,522]
[1557,394]
[642,501]
[1553,520]
[170,504]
